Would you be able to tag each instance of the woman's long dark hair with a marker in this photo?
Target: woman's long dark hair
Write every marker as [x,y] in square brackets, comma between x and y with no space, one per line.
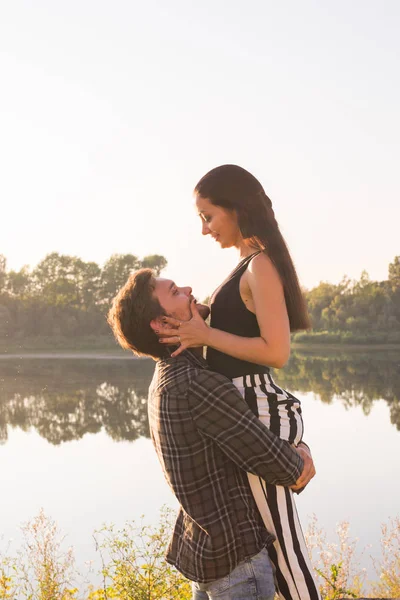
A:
[234,188]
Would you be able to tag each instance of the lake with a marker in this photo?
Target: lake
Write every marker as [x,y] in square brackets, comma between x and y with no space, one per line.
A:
[74,440]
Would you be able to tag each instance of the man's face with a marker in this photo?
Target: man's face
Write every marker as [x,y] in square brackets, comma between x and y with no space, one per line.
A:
[176,300]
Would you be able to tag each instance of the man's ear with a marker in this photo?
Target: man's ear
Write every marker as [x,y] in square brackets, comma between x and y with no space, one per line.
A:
[157,324]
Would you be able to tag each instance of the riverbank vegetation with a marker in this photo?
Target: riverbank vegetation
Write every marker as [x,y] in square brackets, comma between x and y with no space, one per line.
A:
[132,564]
[62,303]
[355,312]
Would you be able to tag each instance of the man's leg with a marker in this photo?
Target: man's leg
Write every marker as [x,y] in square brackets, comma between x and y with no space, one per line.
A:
[198,594]
[253,579]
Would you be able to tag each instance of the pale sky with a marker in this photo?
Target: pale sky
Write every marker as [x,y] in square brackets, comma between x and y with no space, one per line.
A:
[110,112]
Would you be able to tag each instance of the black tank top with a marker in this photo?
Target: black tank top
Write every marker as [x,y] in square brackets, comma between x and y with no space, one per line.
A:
[229,313]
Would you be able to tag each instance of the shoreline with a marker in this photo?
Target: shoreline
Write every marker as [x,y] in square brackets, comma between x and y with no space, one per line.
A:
[95,354]
[336,346]
[71,354]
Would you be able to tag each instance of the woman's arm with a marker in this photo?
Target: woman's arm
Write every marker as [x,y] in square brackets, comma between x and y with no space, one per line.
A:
[263,293]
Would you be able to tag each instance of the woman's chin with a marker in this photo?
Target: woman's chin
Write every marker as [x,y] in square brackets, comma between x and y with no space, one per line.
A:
[225,245]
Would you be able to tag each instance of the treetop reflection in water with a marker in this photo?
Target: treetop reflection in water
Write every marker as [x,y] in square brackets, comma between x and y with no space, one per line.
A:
[64,399]
[356,378]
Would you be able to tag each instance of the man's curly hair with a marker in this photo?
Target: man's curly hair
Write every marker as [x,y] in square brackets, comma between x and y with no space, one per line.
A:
[132,310]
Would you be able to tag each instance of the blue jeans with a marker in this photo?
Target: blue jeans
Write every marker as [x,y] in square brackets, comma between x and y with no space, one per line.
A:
[252,579]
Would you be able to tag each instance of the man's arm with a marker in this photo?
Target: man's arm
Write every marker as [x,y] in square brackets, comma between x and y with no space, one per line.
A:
[309,468]
[220,412]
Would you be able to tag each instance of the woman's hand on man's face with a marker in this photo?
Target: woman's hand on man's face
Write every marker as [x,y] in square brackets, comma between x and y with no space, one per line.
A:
[189,334]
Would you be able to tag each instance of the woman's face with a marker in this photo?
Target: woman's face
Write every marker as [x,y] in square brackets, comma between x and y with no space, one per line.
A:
[220,223]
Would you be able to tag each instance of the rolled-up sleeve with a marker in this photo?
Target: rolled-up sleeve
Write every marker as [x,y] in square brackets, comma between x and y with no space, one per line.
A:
[219,412]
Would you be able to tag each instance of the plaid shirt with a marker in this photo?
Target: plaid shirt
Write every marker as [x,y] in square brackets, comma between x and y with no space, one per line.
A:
[207,439]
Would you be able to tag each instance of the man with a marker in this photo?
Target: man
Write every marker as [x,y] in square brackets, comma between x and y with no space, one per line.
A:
[206,439]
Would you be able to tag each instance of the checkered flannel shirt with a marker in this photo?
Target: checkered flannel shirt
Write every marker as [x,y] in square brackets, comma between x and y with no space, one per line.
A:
[206,439]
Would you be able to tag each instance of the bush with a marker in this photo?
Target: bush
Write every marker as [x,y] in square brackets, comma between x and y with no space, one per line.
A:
[42,570]
[134,568]
[337,570]
[389,566]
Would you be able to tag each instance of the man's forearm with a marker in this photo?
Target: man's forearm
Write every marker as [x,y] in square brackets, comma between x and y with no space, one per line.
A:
[221,413]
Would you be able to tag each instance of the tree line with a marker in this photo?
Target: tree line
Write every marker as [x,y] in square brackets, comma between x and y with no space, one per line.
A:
[64,296]
[356,311]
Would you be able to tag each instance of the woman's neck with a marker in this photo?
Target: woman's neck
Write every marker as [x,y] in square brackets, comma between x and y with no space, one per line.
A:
[245,250]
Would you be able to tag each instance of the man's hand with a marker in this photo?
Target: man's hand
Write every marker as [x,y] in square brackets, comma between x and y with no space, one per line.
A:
[309,469]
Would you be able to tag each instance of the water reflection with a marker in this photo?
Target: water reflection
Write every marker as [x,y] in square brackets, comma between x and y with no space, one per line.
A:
[356,379]
[64,399]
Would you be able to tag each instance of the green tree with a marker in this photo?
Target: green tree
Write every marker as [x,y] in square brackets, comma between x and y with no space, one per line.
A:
[5,321]
[88,280]
[155,262]
[55,279]
[3,271]
[18,283]
[319,299]
[115,273]
[63,280]
[394,273]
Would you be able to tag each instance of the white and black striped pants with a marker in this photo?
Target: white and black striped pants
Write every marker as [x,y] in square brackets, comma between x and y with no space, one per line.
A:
[281,413]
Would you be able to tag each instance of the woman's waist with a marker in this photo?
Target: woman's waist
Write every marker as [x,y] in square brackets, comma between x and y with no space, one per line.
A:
[264,384]
[260,377]
[232,367]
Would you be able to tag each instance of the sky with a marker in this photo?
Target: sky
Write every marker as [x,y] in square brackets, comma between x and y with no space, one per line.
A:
[110,112]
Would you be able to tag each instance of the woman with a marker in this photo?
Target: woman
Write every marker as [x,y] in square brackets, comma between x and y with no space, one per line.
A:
[252,314]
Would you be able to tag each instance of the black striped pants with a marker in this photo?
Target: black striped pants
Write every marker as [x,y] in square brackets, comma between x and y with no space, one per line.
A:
[281,413]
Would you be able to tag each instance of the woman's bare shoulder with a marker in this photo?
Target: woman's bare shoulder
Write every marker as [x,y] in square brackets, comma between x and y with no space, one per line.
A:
[262,266]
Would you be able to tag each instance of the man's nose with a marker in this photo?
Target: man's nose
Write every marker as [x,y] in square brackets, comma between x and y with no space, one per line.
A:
[187,290]
[205,230]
